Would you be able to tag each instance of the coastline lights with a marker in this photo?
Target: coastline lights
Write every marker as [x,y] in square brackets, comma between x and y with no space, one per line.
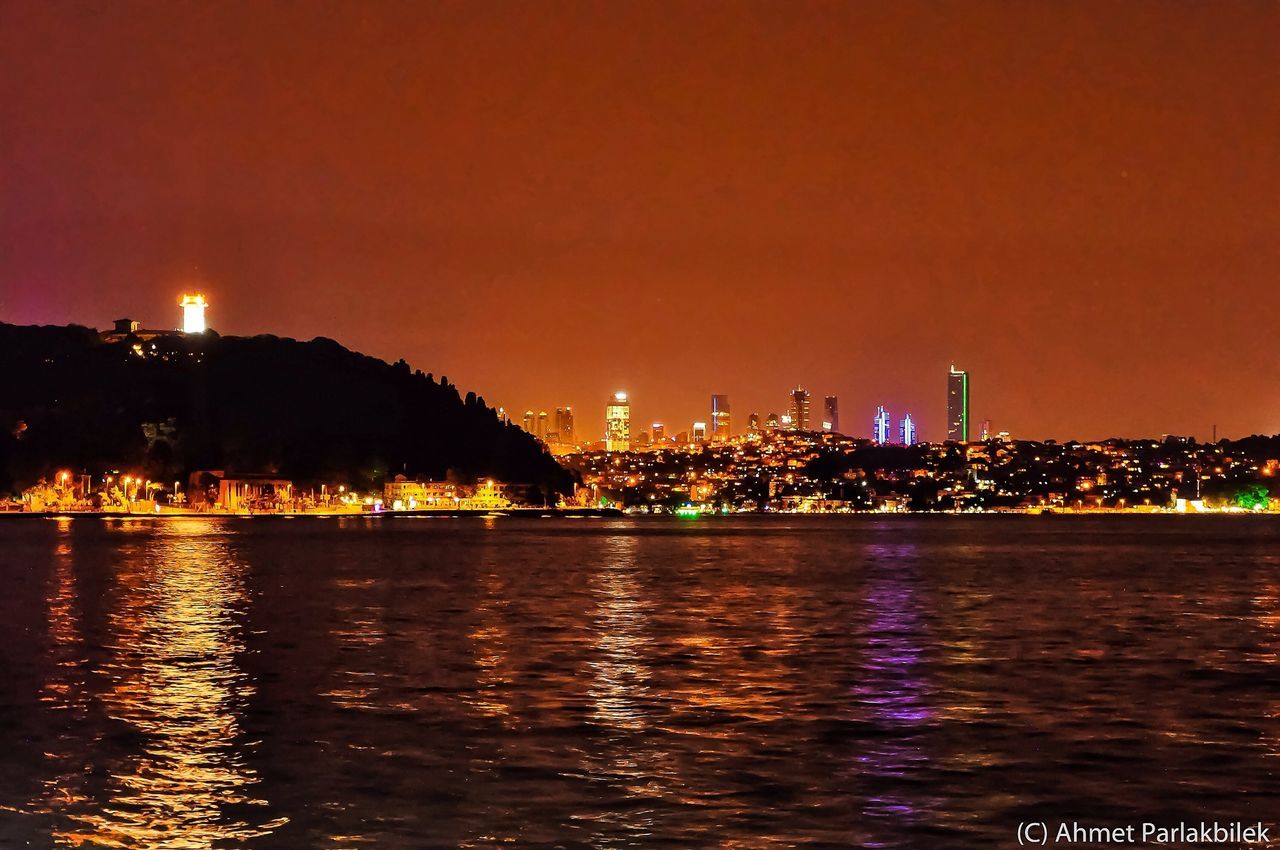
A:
[193,313]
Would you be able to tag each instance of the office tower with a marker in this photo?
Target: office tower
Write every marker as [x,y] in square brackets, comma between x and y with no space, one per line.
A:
[527,423]
[564,425]
[193,313]
[617,424]
[540,429]
[699,432]
[957,405]
[659,433]
[908,431]
[880,426]
[720,417]
[772,422]
[800,409]
[984,430]
[753,423]
[502,415]
[831,414]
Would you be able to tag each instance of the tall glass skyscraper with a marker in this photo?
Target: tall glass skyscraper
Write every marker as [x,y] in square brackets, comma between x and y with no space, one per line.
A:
[800,409]
[908,431]
[880,426]
[617,424]
[720,417]
[957,405]
[831,414]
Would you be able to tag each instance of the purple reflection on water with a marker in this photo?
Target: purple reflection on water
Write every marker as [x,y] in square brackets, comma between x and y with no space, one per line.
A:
[892,688]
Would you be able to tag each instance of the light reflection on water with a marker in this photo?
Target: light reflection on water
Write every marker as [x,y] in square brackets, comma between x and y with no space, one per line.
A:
[738,683]
[174,683]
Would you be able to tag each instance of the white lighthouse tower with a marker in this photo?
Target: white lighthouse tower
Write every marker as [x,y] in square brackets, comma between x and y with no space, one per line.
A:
[193,313]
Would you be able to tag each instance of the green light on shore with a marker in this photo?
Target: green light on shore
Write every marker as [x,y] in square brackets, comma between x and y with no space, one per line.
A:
[687,512]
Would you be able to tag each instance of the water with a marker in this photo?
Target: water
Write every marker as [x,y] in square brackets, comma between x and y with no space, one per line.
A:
[807,682]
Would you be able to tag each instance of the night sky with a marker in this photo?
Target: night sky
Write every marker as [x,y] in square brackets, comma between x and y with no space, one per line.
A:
[545,201]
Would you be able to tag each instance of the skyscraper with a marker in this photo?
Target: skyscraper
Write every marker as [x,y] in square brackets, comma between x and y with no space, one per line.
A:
[984,430]
[617,424]
[659,434]
[753,423]
[772,422]
[564,425]
[527,423]
[720,417]
[831,414]
[908,431]
[699,432]
[540,430]
[800,409]
[957,405]
[880,426]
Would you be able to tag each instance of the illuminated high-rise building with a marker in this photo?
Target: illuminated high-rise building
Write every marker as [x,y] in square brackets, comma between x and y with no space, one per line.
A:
[527,422]
[831,414]
[753,423]
[699,432]
[772,422]
[617,424]
[193,313]
[540,429]
[720,423]
[659,434]
[880,426]
[800,409]
[907,431]
[984,430]
[564,426]
[957,405]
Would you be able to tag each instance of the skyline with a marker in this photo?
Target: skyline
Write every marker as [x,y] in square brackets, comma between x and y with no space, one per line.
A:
[1076,203]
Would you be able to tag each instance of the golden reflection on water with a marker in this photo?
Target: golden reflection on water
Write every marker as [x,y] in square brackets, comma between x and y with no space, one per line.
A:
[358,628]
[175,681]
[620,682]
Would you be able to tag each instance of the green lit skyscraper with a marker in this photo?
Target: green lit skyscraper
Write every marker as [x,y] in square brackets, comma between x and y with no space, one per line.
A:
[957,405]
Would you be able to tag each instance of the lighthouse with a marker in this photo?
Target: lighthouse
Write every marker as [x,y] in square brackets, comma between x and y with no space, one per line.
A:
[193,313]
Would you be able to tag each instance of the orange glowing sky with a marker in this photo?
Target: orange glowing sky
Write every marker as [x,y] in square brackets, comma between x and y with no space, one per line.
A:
[1078,202]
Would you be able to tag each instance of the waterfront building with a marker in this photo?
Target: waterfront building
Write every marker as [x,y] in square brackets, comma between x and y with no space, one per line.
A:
[800,409]
[193,307]
[720,422]
[831,414]
[957,405]
[907,431]
[617,424]
[880,426]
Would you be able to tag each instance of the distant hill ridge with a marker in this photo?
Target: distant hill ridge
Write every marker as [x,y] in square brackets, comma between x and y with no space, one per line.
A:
[312,411]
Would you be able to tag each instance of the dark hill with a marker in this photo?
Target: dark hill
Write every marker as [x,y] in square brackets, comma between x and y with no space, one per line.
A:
[312,411]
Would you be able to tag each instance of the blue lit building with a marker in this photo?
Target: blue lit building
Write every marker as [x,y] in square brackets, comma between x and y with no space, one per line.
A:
[908,431]
[880,426]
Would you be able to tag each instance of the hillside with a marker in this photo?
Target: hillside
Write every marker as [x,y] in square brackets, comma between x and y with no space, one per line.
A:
[313,411]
